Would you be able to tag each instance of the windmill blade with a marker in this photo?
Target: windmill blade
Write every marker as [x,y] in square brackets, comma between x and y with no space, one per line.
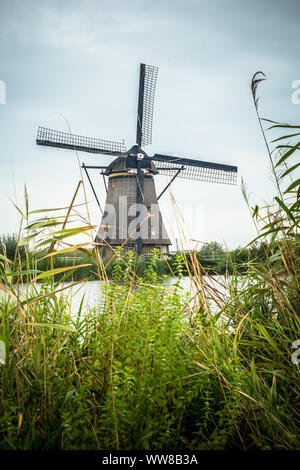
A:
[52,138]
[148,77]
[196,169]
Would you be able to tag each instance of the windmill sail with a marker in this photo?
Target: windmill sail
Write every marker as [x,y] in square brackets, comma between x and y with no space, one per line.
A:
[52,138]
[148,77]
[196,169]
[131,198]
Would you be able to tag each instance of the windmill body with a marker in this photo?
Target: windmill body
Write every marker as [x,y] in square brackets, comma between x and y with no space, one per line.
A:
[120,218]
[131,216]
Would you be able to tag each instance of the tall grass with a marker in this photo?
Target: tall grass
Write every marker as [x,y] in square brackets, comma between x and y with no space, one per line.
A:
[150,367]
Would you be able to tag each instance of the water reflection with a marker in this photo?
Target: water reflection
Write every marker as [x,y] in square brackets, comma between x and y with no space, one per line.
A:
[91,292]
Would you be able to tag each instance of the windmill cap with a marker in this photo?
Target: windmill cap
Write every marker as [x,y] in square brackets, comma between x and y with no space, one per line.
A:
[122,164]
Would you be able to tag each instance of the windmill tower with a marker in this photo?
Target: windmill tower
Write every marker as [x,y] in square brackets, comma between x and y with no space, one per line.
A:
[131,216]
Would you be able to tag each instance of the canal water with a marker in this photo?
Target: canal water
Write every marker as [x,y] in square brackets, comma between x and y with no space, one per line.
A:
[91,291]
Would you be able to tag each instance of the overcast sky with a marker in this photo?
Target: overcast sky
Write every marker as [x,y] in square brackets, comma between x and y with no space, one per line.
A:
[80,60]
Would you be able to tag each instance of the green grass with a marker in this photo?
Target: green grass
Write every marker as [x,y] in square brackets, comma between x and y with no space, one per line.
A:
[151,369]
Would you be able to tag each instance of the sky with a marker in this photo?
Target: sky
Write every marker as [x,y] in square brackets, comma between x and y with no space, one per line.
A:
[73,64]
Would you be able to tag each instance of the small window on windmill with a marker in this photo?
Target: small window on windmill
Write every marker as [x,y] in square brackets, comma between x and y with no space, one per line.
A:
[106,228]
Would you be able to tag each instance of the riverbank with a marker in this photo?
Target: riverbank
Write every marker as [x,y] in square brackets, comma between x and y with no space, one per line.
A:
[213,259]
[150,367]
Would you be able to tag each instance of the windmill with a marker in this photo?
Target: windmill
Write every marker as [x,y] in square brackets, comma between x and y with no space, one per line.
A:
[130,193]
